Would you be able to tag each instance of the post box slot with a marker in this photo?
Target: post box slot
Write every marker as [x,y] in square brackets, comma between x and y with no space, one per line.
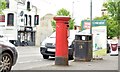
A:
[65,22]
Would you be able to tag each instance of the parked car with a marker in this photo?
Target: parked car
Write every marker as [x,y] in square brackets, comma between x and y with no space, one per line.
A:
[119,44]
[109,41]
[8,55]
[47,47]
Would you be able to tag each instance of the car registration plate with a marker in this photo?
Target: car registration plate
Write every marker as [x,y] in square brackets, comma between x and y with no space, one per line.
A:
[51,50]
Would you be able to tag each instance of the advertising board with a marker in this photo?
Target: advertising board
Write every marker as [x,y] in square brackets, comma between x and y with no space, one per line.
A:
[99,32]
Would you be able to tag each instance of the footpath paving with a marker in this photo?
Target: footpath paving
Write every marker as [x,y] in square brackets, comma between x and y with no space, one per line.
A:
[108,63]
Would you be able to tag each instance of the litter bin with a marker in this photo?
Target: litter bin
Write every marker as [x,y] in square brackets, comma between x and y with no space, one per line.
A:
[83,47]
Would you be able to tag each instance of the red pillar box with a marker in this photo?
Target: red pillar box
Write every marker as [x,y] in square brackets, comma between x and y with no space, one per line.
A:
[61,54]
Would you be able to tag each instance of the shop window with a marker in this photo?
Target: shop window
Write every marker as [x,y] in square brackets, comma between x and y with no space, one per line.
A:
[25,20]
[30,21]
[10,19]
[2,18]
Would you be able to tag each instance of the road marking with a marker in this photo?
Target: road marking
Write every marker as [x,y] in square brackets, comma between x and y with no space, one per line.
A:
[29,55]
[29,61]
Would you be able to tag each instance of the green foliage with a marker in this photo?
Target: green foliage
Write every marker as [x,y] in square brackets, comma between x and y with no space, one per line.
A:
[111,25]
[113,8]
[53,25]
[63,12]
[2,5]
[71,22]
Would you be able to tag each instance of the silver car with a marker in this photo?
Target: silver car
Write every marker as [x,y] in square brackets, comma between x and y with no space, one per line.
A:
[8,55]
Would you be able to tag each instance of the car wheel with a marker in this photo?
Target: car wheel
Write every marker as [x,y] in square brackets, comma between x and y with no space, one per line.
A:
[45,56]
[5,62]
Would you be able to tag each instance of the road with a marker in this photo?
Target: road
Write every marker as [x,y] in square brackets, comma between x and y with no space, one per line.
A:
[31,59]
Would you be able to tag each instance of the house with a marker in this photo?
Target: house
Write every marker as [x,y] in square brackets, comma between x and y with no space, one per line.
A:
[19,22]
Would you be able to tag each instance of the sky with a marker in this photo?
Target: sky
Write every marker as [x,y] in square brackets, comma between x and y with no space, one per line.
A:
[79,9]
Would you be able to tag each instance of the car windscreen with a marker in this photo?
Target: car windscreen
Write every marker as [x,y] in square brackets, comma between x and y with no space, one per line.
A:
[53,35]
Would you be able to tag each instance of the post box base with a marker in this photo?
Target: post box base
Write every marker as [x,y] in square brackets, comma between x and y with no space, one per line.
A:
[61,61]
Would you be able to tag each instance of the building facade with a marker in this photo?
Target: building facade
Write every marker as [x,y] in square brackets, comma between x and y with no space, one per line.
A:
[19,22]
[44,29]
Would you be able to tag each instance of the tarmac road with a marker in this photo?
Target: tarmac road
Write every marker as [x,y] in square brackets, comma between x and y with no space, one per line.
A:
[31,59]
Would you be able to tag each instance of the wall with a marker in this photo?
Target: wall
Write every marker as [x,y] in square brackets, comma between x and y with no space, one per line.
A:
[44,29]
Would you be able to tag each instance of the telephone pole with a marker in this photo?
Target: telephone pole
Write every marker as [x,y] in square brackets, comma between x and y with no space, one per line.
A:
[90,16]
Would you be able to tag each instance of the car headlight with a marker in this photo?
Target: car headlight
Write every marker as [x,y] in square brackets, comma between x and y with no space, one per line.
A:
[54,44]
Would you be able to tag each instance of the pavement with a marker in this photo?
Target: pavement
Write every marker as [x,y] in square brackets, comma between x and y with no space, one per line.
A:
[108,63]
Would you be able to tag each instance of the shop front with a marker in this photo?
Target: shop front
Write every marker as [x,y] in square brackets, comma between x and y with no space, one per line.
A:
[26,37]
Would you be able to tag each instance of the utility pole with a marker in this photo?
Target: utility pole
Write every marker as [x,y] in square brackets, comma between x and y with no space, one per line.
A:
[72,9]
[90,16]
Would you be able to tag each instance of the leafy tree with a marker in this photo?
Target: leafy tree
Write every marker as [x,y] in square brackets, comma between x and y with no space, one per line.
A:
[64,12]
[113,9]
[71,22]
[2,5]
[53,25]
[111,25]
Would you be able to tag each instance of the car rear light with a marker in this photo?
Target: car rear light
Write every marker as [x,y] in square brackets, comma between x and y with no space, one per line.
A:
[114,47]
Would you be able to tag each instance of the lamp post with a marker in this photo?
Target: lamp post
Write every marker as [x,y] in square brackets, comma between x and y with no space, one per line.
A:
[72,8]
[91,16]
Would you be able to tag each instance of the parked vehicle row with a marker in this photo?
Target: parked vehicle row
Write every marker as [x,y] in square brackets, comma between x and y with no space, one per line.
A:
[47,47]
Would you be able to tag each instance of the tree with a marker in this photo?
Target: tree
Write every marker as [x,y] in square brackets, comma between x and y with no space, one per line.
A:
[64,12]
[53,25]
[113,9]
[2,5]
[111,25]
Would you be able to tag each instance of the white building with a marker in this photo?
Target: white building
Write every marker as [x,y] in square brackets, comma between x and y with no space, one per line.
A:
[18,23]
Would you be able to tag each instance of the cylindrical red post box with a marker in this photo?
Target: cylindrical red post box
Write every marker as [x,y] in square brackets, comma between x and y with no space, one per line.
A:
[61,54]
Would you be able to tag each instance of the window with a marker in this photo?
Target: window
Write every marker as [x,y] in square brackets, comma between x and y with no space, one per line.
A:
[2,18]
[7,3]
[36,20]
[30,21]
[25,20]
[28,6]
[10,19]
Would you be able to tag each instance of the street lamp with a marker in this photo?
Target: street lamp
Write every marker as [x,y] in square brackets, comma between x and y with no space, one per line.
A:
[91,16]
[72,8]
[73,4]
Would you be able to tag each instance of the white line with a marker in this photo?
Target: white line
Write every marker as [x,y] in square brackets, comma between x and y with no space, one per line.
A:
[30,61]
[29,55]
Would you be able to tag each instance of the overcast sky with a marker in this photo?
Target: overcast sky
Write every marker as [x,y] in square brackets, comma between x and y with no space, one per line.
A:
[80,9]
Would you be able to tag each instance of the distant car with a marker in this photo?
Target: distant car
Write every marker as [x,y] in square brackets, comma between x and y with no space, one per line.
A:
[109,41]
[8,55]
[47,47]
